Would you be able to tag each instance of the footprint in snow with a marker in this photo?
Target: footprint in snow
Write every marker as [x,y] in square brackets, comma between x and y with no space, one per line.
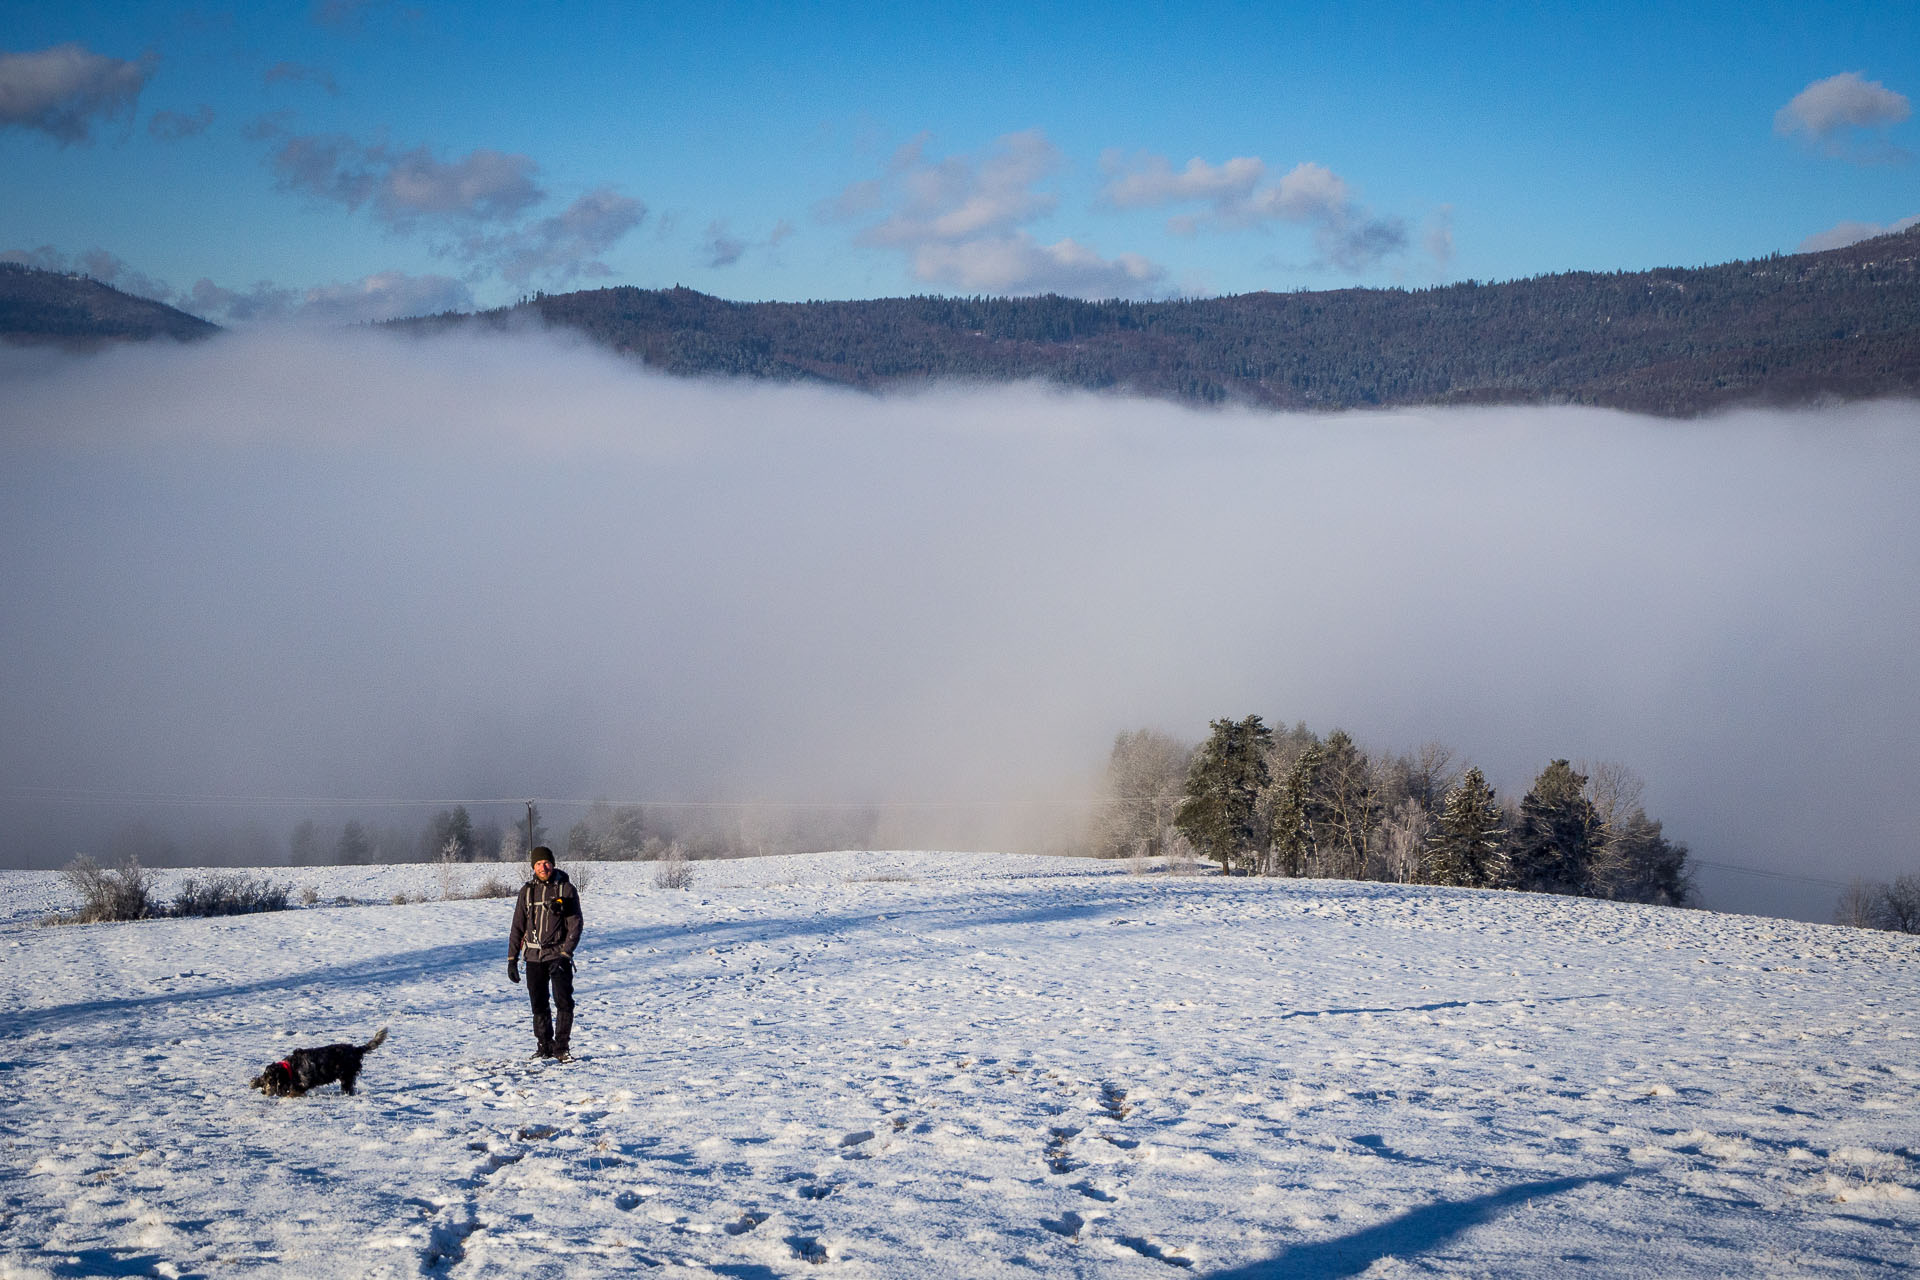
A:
[1067,1224]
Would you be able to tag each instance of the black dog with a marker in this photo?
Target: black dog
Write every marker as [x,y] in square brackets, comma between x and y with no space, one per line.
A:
[305,1069]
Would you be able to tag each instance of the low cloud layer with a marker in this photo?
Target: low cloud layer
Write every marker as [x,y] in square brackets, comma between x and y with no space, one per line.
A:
[1845,116]
[65,90]
[301,565]
[961,222]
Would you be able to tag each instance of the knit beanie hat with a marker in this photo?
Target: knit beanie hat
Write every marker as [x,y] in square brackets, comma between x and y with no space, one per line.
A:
[540,854]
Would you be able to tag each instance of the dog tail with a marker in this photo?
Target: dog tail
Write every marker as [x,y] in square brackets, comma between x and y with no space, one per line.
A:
[378,1039]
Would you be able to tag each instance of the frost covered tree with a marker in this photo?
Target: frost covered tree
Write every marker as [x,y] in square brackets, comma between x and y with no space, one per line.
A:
[1637,863]
[1402,847]
[1349,808]
[1294,833]
[1221,812]
[1557,836]
[1141,793]
[1468,844]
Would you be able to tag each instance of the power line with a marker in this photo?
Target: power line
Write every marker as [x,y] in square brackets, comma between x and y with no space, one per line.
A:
[76,795]
[82,796]
[1771,875]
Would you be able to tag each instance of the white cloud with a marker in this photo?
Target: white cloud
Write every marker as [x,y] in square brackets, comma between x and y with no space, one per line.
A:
[1017,263]
[476,201]
[107,268]
[723,247]
[1834,113]
[263,302]
[1152,180]
[60,91]
[385,295]
[565,246]
[404,187]
[961,197]
[1846,233]
[961,221]
[1238,195]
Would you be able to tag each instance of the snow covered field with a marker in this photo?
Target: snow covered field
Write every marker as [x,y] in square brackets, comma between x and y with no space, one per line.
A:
[938,1065]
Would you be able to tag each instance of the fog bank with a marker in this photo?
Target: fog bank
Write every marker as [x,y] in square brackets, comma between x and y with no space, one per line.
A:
[360,566]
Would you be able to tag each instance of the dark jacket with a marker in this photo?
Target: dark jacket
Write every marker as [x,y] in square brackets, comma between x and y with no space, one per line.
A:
[546,918]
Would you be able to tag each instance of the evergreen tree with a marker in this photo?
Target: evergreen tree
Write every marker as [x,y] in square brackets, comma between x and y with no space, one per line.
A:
[355,847]
[1221,814]
[1559,833]
[1296,816]
[449,834]
[1467,847]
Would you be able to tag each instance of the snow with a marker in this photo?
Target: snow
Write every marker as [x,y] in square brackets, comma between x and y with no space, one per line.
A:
[972,1065]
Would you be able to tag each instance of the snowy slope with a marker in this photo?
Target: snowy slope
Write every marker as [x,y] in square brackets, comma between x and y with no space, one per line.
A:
[937,1065]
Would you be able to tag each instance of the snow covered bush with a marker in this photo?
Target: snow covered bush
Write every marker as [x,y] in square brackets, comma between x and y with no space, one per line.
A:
[495,887]
[674,871]
[124,892]
[229,895]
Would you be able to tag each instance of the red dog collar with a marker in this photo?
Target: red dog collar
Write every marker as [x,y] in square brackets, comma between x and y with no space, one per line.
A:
[285,1065]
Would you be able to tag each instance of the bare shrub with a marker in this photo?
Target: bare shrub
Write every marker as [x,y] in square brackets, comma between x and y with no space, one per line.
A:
[674,872]
[229,895]
[309,895]
[449,878]
[124,892]
[493,887]
[580,877]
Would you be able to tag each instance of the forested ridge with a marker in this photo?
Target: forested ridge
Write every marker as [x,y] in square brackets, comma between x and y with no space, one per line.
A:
[1788,329]
[54,306]
[1844,323]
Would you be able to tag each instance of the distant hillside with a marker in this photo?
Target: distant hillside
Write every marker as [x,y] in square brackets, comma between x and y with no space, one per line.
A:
[53,306]
[1787,329]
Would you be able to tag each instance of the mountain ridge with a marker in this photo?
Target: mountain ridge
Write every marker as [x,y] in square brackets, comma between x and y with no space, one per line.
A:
[1838,324]
[1787,329]
[54,306]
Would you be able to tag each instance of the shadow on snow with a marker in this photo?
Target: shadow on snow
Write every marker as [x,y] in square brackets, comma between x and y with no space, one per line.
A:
[1410,1234]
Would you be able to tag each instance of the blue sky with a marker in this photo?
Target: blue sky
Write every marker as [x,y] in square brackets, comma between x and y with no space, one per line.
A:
[350,160]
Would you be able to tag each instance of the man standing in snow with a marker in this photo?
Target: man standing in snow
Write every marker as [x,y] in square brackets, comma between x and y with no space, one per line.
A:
[546,925]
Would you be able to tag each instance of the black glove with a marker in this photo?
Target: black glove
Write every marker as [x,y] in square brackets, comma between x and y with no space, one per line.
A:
[513,969]
[566,962]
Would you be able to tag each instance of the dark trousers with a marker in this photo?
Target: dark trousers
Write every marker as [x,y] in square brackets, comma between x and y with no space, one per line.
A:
[558,974]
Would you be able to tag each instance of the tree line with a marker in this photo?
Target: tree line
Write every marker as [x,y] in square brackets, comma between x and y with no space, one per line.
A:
[1288,802]
[1785,329]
